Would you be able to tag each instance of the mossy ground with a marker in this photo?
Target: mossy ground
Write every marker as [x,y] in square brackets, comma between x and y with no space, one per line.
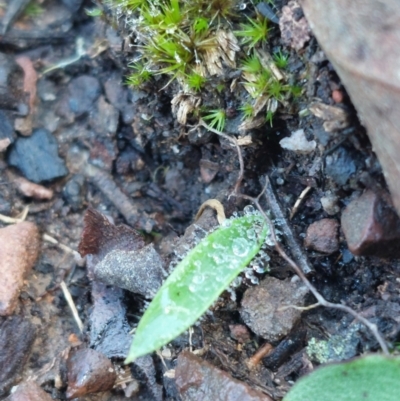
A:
[210,56]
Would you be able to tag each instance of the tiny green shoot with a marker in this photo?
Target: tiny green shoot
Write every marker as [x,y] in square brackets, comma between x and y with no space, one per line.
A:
[195,81]
[197,281]
[251,65]
[269,116]
[253,32]
[281,59]
[216,118]
[200,25]
[140,75]
[248,111]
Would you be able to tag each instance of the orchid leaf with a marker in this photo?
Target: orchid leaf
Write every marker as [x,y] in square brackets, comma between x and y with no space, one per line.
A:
[197,281]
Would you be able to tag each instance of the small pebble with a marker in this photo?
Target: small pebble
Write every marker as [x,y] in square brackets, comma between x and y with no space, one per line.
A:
[208,170]
[32,190]
[37,157]
[329,204]
[198,380]
[371,226]
[337,96]
[240,333]
[4,143]
[322,236]
[104,118]
[80,97]
[298,143]
[73,192]
[262,307]
[89,372]
[341,165]
[19,249]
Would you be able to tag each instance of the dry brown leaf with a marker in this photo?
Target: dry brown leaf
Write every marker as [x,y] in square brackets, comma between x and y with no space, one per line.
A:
[362,40]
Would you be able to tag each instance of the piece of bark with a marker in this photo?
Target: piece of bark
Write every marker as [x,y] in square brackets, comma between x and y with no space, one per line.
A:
[17,335]
[120,257]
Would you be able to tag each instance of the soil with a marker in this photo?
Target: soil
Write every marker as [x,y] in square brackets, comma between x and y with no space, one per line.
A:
[121,151]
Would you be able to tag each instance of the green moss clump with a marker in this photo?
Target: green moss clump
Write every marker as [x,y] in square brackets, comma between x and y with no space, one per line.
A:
[195,45]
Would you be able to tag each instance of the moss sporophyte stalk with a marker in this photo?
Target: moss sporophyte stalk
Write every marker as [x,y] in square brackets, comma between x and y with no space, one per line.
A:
[197,49]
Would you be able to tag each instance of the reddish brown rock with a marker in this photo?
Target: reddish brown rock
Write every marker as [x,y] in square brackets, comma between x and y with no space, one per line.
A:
[208,170]
[29,391]
[198,380]
[89,372]
[322,236]
[371,227]
[19,249]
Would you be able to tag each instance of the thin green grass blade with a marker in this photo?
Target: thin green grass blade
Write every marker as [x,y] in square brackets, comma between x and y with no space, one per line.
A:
[197,282]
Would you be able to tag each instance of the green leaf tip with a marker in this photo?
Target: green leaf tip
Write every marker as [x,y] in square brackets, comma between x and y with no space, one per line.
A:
[197,281]
[374,377]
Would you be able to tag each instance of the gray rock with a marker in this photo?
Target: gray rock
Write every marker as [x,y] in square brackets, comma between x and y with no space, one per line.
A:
[6,127]
[73,192]
[104,118]
[265,307]
[80,97]
[340,166]
[139,271]
[37,157]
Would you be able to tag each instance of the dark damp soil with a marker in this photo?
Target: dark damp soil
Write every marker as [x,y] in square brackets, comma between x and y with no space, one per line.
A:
[97,143]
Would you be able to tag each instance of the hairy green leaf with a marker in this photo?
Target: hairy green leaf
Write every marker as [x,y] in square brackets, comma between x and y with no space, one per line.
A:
[197,282]
[371,378]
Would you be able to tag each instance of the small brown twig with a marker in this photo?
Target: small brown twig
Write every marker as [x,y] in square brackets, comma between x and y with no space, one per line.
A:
[321,301]
[105,183]
[262,352]
[298,201]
